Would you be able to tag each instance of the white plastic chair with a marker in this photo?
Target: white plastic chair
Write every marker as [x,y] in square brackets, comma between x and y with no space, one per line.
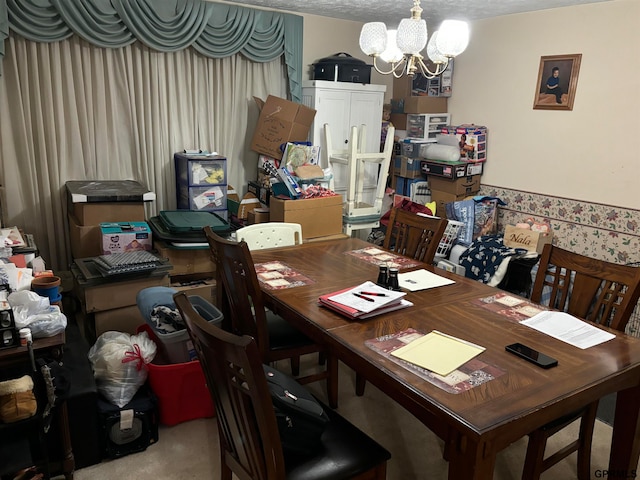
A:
[358,214]
[270,235]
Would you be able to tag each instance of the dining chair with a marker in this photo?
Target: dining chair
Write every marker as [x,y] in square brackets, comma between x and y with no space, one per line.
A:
[250,444]
[240,299]
[270,235]
[411,235]
[363,169]
[595,290]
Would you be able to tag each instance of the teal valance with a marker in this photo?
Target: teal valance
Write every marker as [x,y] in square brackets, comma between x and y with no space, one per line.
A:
[214,29]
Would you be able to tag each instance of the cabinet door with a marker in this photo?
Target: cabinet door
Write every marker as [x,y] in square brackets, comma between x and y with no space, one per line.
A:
[332,107]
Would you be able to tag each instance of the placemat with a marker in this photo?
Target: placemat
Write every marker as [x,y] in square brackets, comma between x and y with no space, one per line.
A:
[277,276]
[510,306]
[473,373]
[379,257]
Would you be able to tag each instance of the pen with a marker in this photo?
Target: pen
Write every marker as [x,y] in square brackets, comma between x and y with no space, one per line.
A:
[374,294]
[363,297]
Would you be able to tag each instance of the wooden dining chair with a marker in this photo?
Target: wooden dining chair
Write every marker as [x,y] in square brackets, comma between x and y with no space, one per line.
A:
[595,290]
[240,299]
[414,236]
[250,445]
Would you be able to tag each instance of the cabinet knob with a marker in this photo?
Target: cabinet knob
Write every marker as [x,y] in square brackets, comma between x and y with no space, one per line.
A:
[346,141]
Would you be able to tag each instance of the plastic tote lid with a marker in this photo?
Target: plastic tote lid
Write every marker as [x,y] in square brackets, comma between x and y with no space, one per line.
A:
[341,58]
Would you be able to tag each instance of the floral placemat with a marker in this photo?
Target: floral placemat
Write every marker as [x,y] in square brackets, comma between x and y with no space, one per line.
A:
[377,256]
[277,275]
[510,306]
[473,373]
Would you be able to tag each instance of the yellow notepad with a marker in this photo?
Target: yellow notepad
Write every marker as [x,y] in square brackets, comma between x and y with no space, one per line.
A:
[438,352]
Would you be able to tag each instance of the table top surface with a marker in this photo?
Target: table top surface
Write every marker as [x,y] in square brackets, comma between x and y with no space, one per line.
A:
[493,409]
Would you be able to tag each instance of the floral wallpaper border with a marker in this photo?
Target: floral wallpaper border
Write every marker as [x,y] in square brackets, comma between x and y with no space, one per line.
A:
[596,230]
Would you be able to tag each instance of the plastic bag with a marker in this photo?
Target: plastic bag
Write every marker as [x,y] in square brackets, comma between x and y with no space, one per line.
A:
[33,311]
[119,362]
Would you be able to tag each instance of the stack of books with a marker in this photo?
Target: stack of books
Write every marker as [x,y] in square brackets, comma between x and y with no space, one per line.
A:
[364,301]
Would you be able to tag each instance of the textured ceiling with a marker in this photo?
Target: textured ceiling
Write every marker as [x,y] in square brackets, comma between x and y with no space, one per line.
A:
[392,11]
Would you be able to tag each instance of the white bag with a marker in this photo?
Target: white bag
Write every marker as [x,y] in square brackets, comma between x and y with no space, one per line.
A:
[119,362]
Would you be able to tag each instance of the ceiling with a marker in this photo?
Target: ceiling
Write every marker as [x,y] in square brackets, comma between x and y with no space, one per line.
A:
[392,11]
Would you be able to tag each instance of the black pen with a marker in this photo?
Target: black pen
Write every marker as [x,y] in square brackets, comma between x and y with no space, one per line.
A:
[363,297]
[374,294]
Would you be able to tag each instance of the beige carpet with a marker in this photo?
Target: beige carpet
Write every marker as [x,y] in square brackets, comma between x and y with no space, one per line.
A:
[190,450]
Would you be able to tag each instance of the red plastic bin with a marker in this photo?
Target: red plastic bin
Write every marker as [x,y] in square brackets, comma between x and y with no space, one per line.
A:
[181,389]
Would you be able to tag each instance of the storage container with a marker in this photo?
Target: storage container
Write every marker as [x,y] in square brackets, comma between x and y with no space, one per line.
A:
[342,67]
[181,389]
[201,182]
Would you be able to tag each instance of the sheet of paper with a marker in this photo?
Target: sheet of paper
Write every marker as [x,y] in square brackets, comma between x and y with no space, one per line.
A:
[568,328]
[361,297]
[421,280]
[438,352]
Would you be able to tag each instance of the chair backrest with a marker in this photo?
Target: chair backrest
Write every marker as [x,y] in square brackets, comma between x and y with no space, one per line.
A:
[358,172]
[243,306]
[413,235]
[249,439]
[588,288]
[270,235]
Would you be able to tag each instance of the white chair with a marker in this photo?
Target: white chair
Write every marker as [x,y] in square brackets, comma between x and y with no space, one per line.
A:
[357,213]
[270,235]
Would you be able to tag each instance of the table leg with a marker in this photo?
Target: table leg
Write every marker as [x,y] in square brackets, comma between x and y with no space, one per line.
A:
[470,460]
[68,462]
[625,444]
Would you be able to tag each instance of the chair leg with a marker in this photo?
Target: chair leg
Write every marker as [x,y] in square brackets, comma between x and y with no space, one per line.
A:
[535,455]
[225,471]
[295,366]
[587,425]
[322,358]
[360,384]
[332,380]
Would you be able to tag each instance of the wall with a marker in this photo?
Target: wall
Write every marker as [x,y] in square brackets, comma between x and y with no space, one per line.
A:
[587,154]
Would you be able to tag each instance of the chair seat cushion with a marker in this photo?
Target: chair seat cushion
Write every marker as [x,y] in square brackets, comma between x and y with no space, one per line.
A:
[345,452]
[282,334]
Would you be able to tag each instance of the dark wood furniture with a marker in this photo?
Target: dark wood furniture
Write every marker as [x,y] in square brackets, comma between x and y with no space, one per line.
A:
[603,292]
[19,356]
[478,423]
[249,438]
[277,339]
[414,235]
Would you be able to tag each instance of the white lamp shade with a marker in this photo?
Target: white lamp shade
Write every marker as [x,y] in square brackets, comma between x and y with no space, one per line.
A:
[412,35]
[373,38]
[453,37]
[392,53]
[432,50]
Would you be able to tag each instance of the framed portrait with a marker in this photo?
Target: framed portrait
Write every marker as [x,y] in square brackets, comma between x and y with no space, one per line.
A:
[557,82]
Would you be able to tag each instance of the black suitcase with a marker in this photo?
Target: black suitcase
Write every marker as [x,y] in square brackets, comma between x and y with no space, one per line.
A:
[129,429]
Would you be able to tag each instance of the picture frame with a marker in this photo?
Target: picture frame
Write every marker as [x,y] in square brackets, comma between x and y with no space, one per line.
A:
[557,82]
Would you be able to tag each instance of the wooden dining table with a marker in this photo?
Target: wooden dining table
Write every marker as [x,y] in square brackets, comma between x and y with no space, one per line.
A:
[486,415]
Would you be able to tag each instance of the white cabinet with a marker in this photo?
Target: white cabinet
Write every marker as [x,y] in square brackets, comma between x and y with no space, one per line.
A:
[343,105]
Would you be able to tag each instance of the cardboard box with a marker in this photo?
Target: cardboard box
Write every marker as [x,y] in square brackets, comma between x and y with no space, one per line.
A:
[84,240]
[205,288]
[117,294]
[125,319]
[119,237]
[318,217]
[423,104]
[399,120]
[515,237]
[474,146]
[258,215]
[459,186]
[407,167]
[187,261]
[442,198]
[413,148]
[280,121]
[97,213]
[440,168]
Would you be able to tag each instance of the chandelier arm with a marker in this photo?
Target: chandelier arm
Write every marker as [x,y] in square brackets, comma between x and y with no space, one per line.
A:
[440,68]
[395,67]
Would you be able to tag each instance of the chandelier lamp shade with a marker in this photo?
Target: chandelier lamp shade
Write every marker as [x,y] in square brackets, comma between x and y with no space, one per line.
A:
[401,49]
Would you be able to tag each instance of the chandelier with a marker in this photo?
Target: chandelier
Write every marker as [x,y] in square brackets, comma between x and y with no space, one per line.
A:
[402,49]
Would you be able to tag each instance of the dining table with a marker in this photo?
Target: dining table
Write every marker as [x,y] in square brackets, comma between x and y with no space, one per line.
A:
[488,403]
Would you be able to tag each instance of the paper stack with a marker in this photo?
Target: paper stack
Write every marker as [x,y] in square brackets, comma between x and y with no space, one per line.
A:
[364,301]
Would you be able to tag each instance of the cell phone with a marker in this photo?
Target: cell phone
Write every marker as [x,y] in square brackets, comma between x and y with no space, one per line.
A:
[531,355]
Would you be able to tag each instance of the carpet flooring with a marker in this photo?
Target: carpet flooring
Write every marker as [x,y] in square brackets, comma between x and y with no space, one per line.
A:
[190,450]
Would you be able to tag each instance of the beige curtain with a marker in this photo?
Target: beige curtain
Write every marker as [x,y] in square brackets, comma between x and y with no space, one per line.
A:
[72,111]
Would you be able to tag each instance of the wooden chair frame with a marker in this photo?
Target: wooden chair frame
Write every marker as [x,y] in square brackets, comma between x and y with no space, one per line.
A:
[413,235]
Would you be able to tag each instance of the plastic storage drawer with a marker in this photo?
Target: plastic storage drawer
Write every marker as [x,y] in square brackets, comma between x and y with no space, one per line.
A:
[200,170]
[212,197]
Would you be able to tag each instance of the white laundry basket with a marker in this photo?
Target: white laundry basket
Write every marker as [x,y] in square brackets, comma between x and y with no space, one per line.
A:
[448,238]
